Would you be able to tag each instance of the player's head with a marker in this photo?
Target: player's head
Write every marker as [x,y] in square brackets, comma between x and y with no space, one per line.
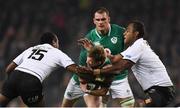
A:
[134,31]
[101,19]
[49,38]
[96,57]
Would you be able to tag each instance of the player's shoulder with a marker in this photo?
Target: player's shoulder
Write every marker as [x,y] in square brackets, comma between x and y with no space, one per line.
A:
[28,49]
[92,31]
[91,34]
[57,51]
[139,44]
[117,26]
[47,47]
[139,41]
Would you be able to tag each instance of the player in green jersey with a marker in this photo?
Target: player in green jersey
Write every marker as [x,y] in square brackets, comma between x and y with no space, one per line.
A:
[110,36]
[95,86]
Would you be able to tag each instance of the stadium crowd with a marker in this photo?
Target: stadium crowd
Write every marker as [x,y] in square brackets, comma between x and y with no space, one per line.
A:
[22,22]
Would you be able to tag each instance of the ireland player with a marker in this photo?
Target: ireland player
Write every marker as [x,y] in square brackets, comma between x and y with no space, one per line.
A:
[110,36]
[95,86]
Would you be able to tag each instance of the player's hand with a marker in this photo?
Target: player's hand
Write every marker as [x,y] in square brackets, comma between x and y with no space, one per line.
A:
[83,85]
[84,88]
[107,66]
[108,52]
[87,44]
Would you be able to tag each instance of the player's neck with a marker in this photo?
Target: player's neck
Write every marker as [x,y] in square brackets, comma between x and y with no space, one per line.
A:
[105,31]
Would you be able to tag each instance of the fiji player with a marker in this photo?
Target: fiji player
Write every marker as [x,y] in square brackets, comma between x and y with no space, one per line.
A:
[110,36]
[28,70]
[146,66]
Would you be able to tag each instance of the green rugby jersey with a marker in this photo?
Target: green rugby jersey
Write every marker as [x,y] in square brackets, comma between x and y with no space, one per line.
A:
[113,40]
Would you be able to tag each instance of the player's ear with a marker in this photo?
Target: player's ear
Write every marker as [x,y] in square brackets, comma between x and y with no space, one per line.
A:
[54,44]
[109,19]
[136,34]
[94,21]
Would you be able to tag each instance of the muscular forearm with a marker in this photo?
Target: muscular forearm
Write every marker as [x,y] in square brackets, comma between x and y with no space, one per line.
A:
[73,68]
[115,68]
[115,58]
[77,69]
[10,67]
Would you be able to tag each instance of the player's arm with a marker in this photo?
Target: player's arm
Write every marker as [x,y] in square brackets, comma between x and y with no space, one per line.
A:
[11,67]
[17,61]
[77,69]
[86,43]
[114,58]
[116,68]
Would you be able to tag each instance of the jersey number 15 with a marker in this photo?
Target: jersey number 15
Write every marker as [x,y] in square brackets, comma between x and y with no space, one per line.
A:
[37,54]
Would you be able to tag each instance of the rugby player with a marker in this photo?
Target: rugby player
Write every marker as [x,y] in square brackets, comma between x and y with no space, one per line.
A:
[28,70]
[146,66]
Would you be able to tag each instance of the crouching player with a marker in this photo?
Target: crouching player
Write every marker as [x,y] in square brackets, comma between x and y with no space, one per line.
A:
[95,86]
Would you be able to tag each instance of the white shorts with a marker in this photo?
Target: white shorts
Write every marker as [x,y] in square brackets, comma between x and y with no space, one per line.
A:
[120,89]
[73,90]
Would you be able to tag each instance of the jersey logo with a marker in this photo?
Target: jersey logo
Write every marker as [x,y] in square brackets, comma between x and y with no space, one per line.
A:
[114,40]
[128,56]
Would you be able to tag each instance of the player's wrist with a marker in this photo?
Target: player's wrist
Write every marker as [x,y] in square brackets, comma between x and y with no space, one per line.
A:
[88,91]
[76,70]
[97,71]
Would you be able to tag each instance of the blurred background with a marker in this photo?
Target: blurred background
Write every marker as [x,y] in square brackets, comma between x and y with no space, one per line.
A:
[23,21]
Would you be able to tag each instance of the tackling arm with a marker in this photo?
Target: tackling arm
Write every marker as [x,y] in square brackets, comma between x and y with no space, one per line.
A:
[116,68]
[115,58]
[10,67]
[77,69]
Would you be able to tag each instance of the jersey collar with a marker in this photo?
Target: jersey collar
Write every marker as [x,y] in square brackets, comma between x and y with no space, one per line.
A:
[48,45]
[108,32]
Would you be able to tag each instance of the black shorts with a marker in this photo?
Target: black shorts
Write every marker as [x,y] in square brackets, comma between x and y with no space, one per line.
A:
[25,85]
[157,96]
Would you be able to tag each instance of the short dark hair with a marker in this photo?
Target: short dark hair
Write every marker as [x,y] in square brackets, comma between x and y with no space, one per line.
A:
[48,37]
[102,10]
[139,27]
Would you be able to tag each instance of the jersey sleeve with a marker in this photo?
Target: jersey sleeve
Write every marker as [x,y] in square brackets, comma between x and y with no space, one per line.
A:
[19,59]
[65,60]
[133,53]
[89,35]
[122,36]
[82,57]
